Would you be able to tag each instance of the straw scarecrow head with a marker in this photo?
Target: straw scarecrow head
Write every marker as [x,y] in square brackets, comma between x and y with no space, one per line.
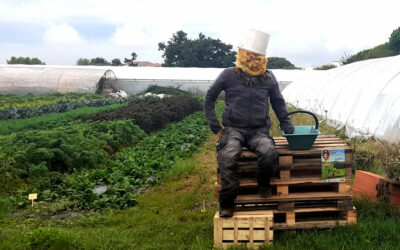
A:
[251,54]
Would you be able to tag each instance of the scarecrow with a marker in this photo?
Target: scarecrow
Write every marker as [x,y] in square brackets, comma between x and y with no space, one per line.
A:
[246,121]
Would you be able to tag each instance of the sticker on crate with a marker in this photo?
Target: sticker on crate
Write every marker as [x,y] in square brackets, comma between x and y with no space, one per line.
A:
[333,165]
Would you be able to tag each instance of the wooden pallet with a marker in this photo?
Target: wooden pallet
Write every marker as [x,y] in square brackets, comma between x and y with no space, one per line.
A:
[341,203]
[306,218]
[297,163]
[301,198]
[251,229]
[284,187]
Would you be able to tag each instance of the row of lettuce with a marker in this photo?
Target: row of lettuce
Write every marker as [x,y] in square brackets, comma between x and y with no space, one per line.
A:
[119,149]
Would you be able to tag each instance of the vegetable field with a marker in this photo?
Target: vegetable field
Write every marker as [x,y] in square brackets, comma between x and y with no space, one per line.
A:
[136,173]
[116,145]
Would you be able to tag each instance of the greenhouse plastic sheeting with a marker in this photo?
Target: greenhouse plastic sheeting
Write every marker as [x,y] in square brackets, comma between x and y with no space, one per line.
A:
[363,96]
[38,79]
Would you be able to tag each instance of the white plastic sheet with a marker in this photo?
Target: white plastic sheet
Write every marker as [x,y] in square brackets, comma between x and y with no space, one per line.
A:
[23,79]
[363,96]
[38,79]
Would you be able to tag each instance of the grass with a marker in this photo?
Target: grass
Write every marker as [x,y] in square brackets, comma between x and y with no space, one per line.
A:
[169,216]
[178,215]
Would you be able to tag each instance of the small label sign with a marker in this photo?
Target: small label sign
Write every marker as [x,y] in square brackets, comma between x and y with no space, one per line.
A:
[32,197]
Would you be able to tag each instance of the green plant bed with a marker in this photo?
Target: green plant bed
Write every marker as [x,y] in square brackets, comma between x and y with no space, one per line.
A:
[151,114]
[58,107]
[49,121]
[154,89]
[31,100]
[95,164]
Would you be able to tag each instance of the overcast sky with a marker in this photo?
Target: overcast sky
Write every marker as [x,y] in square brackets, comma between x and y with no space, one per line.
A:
[305,32]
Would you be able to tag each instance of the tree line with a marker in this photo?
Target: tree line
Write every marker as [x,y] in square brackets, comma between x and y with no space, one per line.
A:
[390,48]
[204,51]
[181,51]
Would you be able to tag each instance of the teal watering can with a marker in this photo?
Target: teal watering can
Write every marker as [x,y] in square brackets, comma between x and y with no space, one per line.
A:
[303,137]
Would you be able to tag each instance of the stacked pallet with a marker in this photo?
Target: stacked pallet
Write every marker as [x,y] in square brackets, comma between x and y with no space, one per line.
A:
[301,197]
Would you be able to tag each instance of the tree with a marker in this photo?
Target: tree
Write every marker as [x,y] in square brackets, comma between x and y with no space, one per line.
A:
[394,41]
[376,52]
[116,62]
[203,52]
[24,60]
[133,58]
[99,61]
[83,61]
[279,63]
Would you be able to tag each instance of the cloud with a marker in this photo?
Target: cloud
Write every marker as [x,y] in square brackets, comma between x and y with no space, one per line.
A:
[130,35]
[62,34]
[306,32]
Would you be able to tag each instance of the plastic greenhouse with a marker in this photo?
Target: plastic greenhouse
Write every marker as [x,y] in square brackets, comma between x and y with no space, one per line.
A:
[363,96]
[38,79]
[22,79]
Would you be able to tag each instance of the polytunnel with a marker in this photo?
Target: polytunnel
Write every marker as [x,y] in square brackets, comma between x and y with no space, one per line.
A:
[134,80]
[364,97]
[39,79]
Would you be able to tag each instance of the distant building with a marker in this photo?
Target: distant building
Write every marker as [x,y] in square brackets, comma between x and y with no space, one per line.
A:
[143,64]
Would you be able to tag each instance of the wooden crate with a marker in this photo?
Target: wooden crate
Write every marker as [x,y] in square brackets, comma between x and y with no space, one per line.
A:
[250,228]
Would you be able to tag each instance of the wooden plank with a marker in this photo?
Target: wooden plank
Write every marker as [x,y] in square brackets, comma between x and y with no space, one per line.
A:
[290,218]
[286,206]
[284,174]
[251,231]
[312,151]
[314,209]
[352,216]
[285,161]
[318,137]
[235,230]
[282,190]
[316,142]
[345,204]
[253,198]
[299,162]
[309,225]
[217,231]
[295,180]
[343,187]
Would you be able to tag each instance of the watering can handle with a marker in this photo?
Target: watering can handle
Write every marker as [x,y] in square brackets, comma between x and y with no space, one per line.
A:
[305,112]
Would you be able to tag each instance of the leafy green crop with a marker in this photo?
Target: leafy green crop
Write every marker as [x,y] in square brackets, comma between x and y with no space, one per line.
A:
[154,89]
[151,114]
[58,107]
[49,121]
[31,100]
[64,149]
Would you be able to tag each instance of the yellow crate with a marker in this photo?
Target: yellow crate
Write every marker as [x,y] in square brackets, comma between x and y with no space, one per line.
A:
[251,228]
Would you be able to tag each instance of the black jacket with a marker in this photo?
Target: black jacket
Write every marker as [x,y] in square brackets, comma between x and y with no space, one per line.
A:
[246,101]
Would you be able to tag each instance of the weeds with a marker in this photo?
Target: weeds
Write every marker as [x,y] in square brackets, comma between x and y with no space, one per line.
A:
[377,156]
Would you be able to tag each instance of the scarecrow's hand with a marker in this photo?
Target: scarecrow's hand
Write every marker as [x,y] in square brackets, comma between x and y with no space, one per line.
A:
[288,129]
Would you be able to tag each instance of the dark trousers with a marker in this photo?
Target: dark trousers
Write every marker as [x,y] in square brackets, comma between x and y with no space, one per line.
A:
[229,150]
